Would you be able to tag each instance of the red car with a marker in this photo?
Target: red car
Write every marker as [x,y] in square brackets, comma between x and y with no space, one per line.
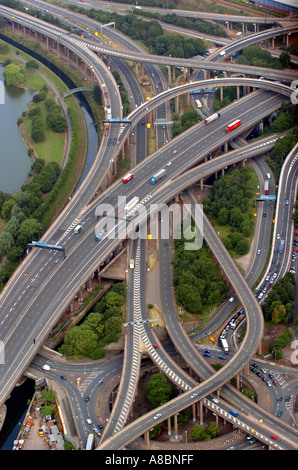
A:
[273,437]
[275,382]
[155,346]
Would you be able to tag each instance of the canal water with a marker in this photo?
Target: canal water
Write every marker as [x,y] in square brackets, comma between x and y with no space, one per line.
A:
[14,160]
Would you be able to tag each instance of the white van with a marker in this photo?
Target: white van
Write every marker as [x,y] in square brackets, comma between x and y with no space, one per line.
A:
[46,367]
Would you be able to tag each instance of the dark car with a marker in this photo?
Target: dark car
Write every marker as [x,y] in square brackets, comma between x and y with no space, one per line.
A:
[87,398]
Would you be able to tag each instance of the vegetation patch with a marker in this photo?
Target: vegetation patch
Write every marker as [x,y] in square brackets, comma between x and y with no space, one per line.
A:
[197,280]
[101,327]
[231,208]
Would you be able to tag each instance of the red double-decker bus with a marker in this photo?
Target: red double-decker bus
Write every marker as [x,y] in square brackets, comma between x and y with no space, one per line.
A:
[233,125]
[127,178]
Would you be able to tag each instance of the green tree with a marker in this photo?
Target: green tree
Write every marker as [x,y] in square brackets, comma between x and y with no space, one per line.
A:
[198,433]
[32,65]
[13,75]
[159,390]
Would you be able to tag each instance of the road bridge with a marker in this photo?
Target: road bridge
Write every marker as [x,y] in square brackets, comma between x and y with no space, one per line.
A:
[49,33]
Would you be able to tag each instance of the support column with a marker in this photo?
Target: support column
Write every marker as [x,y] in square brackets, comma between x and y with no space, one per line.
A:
[238,381]
[176,425]
[238,92]
[177,100]
[194,412]
[169,74]
[201,413]
[147,440]
[261,126]
[169,426]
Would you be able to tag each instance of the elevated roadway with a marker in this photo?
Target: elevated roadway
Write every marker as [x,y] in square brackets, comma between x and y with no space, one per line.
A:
[66,40]
[34,309]
[262,19]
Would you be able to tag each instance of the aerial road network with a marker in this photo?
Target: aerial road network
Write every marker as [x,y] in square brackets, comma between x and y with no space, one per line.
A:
[120,228]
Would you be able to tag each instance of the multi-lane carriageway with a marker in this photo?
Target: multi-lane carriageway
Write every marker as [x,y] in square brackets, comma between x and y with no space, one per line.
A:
[170,152]
[56,33]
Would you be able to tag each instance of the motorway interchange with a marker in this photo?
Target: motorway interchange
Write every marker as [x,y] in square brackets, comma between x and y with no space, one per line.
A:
[259,104]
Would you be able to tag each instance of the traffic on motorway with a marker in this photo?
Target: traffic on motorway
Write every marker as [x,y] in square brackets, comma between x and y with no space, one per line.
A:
[168,172]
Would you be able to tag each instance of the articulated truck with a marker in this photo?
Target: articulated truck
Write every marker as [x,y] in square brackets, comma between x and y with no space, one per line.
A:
[233,125]
[157,176]
[212,118]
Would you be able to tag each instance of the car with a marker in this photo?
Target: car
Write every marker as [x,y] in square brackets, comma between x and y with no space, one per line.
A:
[163,126]
[253,440]
[215,400]
[279,413]
[260,295]
[267,277]
[152,75]
[273,261]
[279,399]
[287,202]
[207,354]
[62,377]
[88,420]
[275,382]
[273,437]
[100,382]
[268,383]
[87,398]
[231,448]
[46,367]
[155,346]
[174,151]
[271,376]
[264,370]
[278,236]
[275,251]
[287,399]
[169,163]
[222,357]
[194,395]
[274,275]
[258,252]
[166,244]
[100,426]
[57,260]
[158,415]
[265,214]
[231,299]
[264,379]
[254,365]
[249,437]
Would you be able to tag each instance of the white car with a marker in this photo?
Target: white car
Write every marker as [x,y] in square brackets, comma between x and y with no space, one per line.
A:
[88,420]
[278,236]
[46,367]
[258,252]
[194,395]
[158,415]
[231,299]
[169,163]
[215,400]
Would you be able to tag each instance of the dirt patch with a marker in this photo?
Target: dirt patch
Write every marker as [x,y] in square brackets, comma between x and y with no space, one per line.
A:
[271,333]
